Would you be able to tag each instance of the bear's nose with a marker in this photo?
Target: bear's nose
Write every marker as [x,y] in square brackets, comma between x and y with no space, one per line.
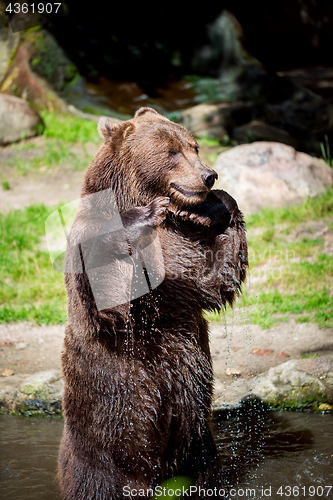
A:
[209,178]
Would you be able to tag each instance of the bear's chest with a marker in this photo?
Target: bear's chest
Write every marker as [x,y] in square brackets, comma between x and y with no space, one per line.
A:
[187,246]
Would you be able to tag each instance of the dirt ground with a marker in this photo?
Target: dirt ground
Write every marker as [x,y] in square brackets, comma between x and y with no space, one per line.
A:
[44,185]
[55,187]
[240,351]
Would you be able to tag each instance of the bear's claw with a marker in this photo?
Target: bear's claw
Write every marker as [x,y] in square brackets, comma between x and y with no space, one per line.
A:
[194,217]
[158,209]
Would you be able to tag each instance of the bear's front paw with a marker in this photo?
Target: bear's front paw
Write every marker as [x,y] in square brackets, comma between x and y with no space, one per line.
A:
[157,211]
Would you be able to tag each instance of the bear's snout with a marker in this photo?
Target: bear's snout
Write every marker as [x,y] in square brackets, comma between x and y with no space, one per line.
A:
[209,178]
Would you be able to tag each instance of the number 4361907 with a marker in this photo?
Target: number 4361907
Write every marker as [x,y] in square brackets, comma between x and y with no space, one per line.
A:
[33,7]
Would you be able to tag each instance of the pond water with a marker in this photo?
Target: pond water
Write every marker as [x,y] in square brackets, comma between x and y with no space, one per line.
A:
[279,455]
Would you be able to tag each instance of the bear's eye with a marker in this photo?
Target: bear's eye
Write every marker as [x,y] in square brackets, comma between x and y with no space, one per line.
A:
[173,152]
[196,148]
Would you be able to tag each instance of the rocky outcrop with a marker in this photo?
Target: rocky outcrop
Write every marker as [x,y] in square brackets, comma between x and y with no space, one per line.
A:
[301,120]
[287,112]
[246,358]
[307,121]
[299,383]
[39,71]
[17,120]
[39,393]
[240,75]
[215,119]
[268,174]
[8,43]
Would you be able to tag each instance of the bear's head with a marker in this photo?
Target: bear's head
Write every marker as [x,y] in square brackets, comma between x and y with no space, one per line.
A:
[146,157]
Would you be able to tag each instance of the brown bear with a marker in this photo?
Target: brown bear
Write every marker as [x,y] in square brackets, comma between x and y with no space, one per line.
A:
[138,375]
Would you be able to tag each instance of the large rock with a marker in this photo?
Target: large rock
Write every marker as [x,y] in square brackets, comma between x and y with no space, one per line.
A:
[269,174]
[49,61]
[302,382]
[40,393]
[17,120]
[36,69]
[46,386]
[215,119]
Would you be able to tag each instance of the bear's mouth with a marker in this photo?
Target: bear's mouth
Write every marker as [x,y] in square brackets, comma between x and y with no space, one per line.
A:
[186,193]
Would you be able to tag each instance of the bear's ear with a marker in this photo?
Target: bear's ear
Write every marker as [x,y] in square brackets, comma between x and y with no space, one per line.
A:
[142,111]
[106,127]
[130,127]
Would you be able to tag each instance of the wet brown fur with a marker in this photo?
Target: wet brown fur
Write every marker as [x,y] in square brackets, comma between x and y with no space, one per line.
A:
[138,377]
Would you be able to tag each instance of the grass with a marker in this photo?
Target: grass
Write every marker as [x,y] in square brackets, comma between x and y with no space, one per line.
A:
[65,145]
[300,275]
[326,151]
[313,355]
[312,208]
[208,142]
[297,280]
[69,129]
[54,153]
[206,89]
[290,276]
[210,149]
[30,288]
[265,307]
[66,139]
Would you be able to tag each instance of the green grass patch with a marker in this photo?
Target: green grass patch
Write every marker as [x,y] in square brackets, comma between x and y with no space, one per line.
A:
[313,208]
[326,151]
[302,319]
[289,276]
[69,129]
[206,89]
[296,276]
[293,288]
[208,142]
[55,153]
[30,288]
[65,142]
[264,307]
[309,276]
[293,275]
[281,251]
